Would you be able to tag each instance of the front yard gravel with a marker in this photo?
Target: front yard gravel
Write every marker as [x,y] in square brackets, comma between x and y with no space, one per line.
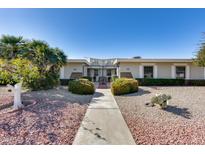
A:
[183,122]
[50,117]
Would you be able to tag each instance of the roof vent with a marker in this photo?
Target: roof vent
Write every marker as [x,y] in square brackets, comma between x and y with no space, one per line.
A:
[136,57]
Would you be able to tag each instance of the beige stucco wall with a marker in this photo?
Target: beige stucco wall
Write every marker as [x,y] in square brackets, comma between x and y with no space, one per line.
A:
[163,69]
[130,67]
[72,67]
[196,72]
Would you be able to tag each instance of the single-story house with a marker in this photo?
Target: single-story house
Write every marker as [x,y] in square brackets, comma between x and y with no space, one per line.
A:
[99,69]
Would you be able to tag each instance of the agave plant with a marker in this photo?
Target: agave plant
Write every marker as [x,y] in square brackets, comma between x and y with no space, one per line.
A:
[161,100]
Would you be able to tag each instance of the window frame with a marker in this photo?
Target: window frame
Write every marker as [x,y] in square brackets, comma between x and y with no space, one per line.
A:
[176,73]
[148,66]
[110,72]
[96,70]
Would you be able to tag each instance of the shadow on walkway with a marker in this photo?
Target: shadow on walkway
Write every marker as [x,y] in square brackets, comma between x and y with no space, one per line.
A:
[98,94]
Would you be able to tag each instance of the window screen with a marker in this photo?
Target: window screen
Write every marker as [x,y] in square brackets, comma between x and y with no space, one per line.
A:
[180,72]
[148,72]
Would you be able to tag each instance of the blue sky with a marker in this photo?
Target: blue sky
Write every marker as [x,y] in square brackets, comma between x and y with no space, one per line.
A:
[107,33]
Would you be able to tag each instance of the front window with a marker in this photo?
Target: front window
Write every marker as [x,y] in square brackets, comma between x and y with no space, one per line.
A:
[109,72]
[148,71]
[180,72]
[95,72]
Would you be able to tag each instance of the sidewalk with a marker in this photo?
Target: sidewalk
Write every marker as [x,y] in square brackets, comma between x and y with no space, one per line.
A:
[103,122]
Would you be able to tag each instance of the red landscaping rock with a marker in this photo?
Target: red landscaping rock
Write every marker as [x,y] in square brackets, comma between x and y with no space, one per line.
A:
[183,122]
[46,120]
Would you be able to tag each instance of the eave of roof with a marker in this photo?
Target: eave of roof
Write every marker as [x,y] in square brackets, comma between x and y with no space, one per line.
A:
[118,60]
[78,61]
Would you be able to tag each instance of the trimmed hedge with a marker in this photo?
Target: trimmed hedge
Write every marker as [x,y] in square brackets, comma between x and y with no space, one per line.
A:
[170,82]
[124,86]
[86,77]
[81,86]
[154,82]
[195,82]
[161,82]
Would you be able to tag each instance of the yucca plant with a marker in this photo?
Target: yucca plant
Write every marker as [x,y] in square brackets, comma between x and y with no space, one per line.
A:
[161,100]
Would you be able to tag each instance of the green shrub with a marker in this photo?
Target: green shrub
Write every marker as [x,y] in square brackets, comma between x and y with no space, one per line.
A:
[17,70]
[81,86]
[86,77]
[195,82]
[161,100]
[114,78]
[161,82]
[124,86]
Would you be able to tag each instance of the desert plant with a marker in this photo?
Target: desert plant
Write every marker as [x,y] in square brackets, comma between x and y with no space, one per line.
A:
[161,100]
[124,86]
[81,86]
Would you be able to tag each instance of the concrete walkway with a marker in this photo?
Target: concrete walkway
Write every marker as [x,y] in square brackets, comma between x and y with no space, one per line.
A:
[103,122]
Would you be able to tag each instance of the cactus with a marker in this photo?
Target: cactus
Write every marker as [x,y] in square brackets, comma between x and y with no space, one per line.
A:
[161,100]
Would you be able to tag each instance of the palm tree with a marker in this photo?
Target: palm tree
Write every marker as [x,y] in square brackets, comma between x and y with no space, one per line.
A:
[38,52]
[48,60]
[45,57]
[57,57]
[11,46]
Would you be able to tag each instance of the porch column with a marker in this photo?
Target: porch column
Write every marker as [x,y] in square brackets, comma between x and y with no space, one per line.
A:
[204,73]
[62,75]
[187,72]
[173,73]
[155,71]
[118,71]
[141,71]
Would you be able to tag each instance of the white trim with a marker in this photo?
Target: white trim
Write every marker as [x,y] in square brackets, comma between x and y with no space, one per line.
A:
[173,71]
[118,71]
[155,69]
[118,60]
[187,72]
[180,64]
[141,71]
[204,73]
[62,75]
[148,64]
